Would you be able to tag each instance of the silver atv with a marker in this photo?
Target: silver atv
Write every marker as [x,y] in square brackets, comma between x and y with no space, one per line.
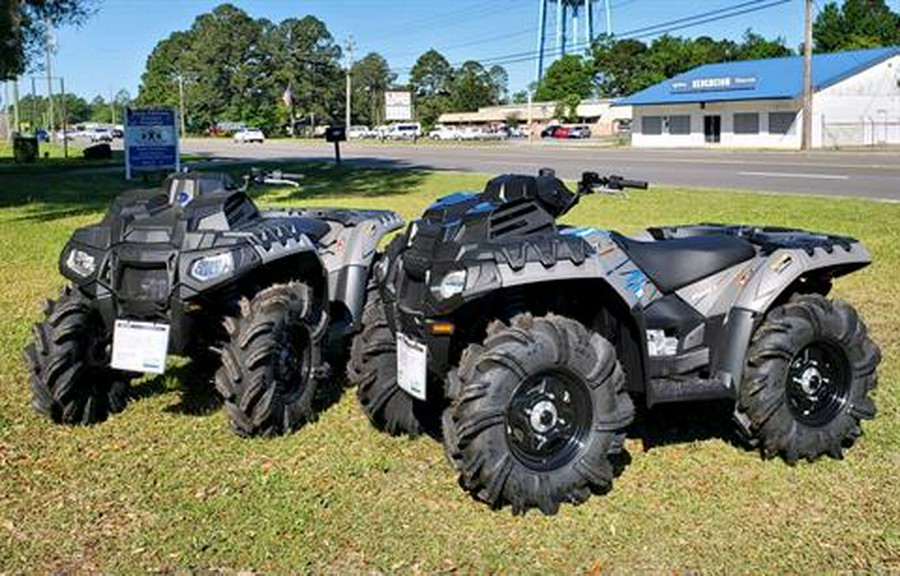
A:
[194,268]
[530,341]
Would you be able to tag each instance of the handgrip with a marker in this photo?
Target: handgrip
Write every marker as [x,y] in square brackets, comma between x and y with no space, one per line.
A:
[642,184]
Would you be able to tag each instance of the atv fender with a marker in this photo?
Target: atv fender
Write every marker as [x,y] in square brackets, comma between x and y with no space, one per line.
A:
[348,253]
[773,282]
[786,266]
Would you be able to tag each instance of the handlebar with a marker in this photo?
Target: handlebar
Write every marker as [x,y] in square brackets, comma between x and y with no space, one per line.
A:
[273,177]
[591,181]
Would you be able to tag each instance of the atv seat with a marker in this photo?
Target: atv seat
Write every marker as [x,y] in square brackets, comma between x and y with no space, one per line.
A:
[673,264]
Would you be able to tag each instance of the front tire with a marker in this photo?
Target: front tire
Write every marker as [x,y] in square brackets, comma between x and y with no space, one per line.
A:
[373,367]
[71,381]
[810,367]
[537,411]
[273,362]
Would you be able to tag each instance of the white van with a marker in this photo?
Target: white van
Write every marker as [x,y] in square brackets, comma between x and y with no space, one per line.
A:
[407,131]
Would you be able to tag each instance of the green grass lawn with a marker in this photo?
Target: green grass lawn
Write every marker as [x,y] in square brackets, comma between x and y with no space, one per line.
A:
[165,485]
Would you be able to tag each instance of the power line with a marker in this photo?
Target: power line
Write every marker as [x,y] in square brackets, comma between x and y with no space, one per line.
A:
[739,9]
[460,15]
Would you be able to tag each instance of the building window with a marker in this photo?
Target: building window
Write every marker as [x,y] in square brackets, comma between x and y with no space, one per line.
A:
[679,125]
[746,123]
[781,122]
[651,125]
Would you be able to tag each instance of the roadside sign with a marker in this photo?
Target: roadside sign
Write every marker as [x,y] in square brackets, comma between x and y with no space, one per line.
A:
[151,140]
[398,105]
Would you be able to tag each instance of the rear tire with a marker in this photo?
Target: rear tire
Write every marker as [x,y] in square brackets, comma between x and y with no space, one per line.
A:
[810,367]
[273,361]
[537,410]
[373,366]
[71,381]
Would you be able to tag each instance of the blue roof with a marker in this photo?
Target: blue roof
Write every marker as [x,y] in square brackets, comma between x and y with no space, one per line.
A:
[774,78]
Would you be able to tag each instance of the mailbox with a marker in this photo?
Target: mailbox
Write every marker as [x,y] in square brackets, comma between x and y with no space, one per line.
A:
[336,134]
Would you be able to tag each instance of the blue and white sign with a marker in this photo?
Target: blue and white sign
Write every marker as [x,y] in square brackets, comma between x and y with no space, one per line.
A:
[151,140]
[713,84]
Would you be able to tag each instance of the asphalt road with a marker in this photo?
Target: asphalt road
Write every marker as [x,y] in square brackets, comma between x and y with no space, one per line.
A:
[873,174]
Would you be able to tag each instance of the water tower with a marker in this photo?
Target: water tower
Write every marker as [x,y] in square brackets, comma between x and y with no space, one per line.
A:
[566,16]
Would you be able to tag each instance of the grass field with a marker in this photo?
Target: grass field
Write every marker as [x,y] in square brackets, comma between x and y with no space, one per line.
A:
[165,486]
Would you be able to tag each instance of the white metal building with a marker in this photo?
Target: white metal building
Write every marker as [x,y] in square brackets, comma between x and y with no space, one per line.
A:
[757,103]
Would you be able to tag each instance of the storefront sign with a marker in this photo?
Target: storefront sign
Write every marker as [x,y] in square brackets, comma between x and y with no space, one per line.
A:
[713,84]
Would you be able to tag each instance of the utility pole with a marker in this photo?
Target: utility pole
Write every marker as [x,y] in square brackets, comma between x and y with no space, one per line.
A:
[16,116]
[349,48]
[49,48]
[806,138]
[181,111]
[112,107]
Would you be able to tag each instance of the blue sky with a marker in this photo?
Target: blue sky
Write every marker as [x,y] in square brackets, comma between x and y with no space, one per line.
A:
[110,50]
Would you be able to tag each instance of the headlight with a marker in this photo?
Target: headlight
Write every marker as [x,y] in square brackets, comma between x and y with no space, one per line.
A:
[81,263]
[209,267]
[451,285]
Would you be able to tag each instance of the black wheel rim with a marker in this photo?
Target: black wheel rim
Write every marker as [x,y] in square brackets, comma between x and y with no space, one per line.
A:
[548,419]
[818,383]
[292,365]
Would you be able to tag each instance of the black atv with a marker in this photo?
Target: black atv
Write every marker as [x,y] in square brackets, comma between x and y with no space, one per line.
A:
[196,266]
[530,339]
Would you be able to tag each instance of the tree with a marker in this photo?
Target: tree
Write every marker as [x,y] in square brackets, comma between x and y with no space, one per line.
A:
[567,76]
[306,58]
[520,97]
[100,111]
[236,68]
[757,47]
[567,108]
[431,75]
[36,110]
[371,78]
[856,24]
[167,62]
[24,33]
[499,82]
[626,66]
[472,88]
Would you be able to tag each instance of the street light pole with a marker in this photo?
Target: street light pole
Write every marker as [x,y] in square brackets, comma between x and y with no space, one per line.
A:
[530,118]
[806,138]
[349,86]
[65,120]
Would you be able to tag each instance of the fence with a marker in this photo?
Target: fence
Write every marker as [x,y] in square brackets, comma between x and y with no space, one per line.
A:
[864,132]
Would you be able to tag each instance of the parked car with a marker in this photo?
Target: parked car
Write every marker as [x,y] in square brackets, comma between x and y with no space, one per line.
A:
[470,133]
[549,131]
[100,135]
[42,135]
[580,132]
[64,135]
[248,135]
[444,133]
[360,132]
[407,131]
